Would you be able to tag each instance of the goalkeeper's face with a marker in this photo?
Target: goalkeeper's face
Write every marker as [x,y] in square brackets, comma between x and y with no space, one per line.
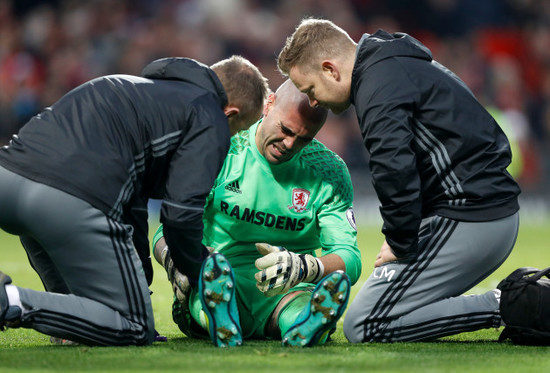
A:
[285,130]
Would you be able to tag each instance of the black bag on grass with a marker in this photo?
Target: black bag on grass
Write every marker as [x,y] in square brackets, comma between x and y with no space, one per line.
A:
[525,307]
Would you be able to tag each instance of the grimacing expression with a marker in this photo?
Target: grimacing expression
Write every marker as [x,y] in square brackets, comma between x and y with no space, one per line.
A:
[321,89]
[283,133]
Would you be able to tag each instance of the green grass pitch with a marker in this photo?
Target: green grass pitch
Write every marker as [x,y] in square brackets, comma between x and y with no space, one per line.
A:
[28,351]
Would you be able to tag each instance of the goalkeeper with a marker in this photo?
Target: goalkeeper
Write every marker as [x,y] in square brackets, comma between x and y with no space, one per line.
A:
[277,185]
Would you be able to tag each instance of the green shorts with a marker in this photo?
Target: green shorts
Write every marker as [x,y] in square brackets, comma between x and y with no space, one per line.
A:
[255,308]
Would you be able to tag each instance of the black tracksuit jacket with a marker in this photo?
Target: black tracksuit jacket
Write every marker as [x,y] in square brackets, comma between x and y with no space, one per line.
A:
[118,140]
[433,148]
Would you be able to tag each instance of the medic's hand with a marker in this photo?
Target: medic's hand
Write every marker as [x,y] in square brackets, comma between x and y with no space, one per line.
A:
[385,255]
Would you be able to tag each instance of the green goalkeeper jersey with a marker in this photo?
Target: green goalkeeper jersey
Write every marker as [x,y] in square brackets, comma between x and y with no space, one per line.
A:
[304,204]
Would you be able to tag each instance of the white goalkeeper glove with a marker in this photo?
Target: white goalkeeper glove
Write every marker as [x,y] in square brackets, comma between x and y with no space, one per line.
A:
[180,282]
[281,269]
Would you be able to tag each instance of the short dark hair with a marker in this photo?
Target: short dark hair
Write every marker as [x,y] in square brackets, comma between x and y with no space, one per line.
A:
[245,86]
[312,40]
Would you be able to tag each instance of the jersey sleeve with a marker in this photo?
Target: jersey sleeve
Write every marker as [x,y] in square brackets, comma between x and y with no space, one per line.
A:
[156,237]
[337,222]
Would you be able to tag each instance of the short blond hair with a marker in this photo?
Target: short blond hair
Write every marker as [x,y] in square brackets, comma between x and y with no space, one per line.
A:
[313,39]
[245,86]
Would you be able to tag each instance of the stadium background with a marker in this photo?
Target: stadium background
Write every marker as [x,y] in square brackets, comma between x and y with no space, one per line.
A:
[500,48]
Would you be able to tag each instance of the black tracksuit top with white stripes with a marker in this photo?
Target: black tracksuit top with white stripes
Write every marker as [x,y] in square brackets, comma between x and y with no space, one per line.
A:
[118,140]
[433,149]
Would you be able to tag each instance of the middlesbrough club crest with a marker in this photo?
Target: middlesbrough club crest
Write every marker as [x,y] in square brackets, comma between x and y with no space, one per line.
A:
[300,198]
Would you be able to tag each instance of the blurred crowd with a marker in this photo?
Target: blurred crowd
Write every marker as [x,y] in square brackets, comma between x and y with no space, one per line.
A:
[500,48]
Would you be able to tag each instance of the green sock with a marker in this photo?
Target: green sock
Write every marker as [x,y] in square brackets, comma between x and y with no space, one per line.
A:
[290,312]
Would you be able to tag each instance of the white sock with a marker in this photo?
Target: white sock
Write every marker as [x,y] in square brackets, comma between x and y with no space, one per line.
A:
[497,293]
[13,296]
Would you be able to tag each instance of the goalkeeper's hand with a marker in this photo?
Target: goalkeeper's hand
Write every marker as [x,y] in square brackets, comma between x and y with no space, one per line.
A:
[180,282]
[281,269]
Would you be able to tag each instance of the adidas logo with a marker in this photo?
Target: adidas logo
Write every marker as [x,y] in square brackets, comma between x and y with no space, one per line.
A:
[233,187]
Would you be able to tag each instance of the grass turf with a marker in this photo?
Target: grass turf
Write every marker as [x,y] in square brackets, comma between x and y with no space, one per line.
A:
[27,351]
